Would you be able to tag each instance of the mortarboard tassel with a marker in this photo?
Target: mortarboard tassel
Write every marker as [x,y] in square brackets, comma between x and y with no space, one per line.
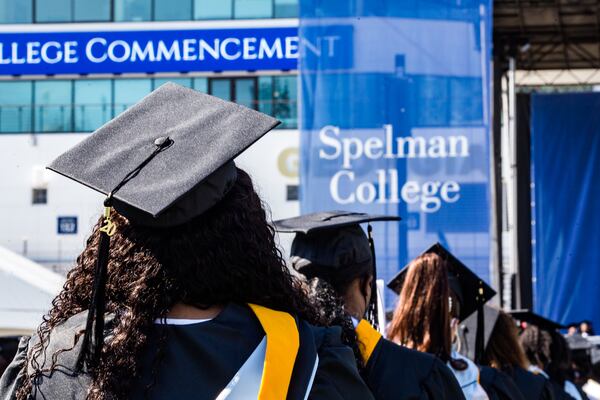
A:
[91,350]
[479,336]
[372,312]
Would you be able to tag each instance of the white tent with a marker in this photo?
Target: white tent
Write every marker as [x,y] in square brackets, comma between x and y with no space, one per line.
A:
[26,293]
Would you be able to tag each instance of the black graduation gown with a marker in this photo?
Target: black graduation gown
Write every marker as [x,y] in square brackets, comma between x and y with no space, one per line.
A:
[532,386]
[396,372]
[498,385]
[200,359]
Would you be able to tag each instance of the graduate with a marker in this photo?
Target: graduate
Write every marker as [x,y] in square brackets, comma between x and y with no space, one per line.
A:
[334,253]
[180,292]
[436,292]
[504,366]
[546,349]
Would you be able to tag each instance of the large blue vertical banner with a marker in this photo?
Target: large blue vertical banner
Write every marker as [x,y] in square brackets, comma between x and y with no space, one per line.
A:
[565,148]
[395,120]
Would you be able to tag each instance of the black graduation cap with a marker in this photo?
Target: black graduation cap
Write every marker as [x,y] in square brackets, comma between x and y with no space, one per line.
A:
[532,318]
[470,289]
[334,240]
[164,161]
[177,143]
[467,330]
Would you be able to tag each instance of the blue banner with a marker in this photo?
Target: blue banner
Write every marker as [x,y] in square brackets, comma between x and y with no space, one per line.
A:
[395,120]
[565,147]
[148,51]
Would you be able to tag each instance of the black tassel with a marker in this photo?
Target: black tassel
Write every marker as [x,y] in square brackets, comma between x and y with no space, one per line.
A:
[479,336]
[92,349]
[372,311]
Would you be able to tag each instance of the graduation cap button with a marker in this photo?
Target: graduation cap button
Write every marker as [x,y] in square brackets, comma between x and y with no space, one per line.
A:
[161,141]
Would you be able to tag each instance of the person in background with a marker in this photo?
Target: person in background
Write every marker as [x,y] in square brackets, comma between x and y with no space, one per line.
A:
[537,342]
[559,368]
[572,329]
[586,328]
[428,311]
[190,297]
[335,255]
[503,353]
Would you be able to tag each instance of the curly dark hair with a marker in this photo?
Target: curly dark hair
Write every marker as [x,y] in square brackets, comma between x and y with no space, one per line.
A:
[227,254]
[331,306]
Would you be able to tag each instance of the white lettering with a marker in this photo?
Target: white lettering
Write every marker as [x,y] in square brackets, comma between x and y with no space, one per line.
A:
[171,52]
[410,192]
[33,52]
[112,53]
[249,48]
[454,142]
[334,187]
[264,49]
[189,50]
[291,47]
[47,59]
[365,193]
[330,141]
[224,53]
[371,144]
[15,54]
[89,51]
[213,51]
[352,150]
[449,188]
[71,52]
[428,197]
[137,53]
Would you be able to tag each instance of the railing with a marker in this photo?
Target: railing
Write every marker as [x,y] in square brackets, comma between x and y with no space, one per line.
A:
[22,118]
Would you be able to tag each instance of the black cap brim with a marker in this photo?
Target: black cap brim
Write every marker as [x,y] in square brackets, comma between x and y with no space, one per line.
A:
[328,220]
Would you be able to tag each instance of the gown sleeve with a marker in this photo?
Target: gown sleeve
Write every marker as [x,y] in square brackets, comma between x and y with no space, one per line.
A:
[337,377]
[13,377]
[498,385]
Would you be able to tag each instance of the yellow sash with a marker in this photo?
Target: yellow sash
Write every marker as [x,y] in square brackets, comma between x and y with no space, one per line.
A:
[283,342]
[368,337]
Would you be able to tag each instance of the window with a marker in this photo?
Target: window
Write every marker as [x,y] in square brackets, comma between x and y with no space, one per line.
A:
[93,99]
[201,85]
[245,92]
[129,92]
[15,11]
[53,106]
[83,105]
[39,196]
[91,10]
[265,94]
[211,9]
[15,106]
[133,10]
[240,90]
[284,98]
[53,11]
[172,10]
[286,8]
[292,193]
[253,9]
[221,88]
